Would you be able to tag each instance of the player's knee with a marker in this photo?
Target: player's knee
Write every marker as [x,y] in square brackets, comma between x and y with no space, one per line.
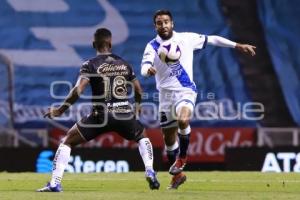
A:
[139,137]
[183,123]
[67,143]
[184,117]
[71,141]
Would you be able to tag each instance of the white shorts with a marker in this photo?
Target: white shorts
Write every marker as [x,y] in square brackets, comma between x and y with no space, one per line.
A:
[170,102]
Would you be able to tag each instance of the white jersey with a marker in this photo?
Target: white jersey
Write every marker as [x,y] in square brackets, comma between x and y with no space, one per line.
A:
[177,77]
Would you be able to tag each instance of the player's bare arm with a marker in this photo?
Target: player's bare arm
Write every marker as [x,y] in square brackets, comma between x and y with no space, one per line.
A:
[70,99]
[137,95]
[223,42]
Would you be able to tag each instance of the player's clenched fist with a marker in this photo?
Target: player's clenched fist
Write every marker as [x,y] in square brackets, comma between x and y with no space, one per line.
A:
[151,71]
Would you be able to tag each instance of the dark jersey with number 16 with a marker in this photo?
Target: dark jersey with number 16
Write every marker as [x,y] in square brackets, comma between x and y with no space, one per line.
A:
[110,79]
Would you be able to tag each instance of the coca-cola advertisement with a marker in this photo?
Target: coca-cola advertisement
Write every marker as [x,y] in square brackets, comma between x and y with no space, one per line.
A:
[206,144]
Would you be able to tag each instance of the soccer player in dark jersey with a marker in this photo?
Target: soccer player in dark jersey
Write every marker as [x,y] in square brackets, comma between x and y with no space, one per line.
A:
[111,79]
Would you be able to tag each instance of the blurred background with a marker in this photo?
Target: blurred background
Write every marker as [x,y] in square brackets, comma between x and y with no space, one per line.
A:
[252,125]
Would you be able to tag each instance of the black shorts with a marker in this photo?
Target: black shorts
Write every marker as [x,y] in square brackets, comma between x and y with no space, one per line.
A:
[124,124]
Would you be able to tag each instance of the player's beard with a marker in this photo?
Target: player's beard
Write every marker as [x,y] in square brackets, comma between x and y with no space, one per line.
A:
[164,36]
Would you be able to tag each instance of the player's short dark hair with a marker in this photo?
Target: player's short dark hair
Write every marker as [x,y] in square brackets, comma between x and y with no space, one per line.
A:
[102,37]
[162,12]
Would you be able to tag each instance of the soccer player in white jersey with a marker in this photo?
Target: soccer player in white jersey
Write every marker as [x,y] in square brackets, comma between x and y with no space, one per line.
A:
[177,90]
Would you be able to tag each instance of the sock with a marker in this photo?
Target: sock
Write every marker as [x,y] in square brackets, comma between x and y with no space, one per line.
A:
[146,152]
[60,162]
[172,152]
[184,141]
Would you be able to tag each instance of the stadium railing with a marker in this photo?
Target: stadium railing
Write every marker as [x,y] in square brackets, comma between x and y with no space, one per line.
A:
[273,137]
[8,135]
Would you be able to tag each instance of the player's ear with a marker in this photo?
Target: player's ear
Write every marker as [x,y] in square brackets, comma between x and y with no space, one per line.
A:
[172,24]
[94,45]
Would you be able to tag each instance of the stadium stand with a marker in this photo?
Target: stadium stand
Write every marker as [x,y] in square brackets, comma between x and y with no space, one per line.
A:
[258,72]
[281,28]
[47,43]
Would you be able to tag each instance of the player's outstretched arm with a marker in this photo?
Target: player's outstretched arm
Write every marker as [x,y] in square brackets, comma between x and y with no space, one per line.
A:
[70,99]
[223,42]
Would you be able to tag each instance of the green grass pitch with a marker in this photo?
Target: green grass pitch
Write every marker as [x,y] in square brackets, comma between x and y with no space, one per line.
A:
[199,185]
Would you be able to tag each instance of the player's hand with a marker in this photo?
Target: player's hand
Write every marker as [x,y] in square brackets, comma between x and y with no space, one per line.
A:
[246,48]
[53,112]
[151,71]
